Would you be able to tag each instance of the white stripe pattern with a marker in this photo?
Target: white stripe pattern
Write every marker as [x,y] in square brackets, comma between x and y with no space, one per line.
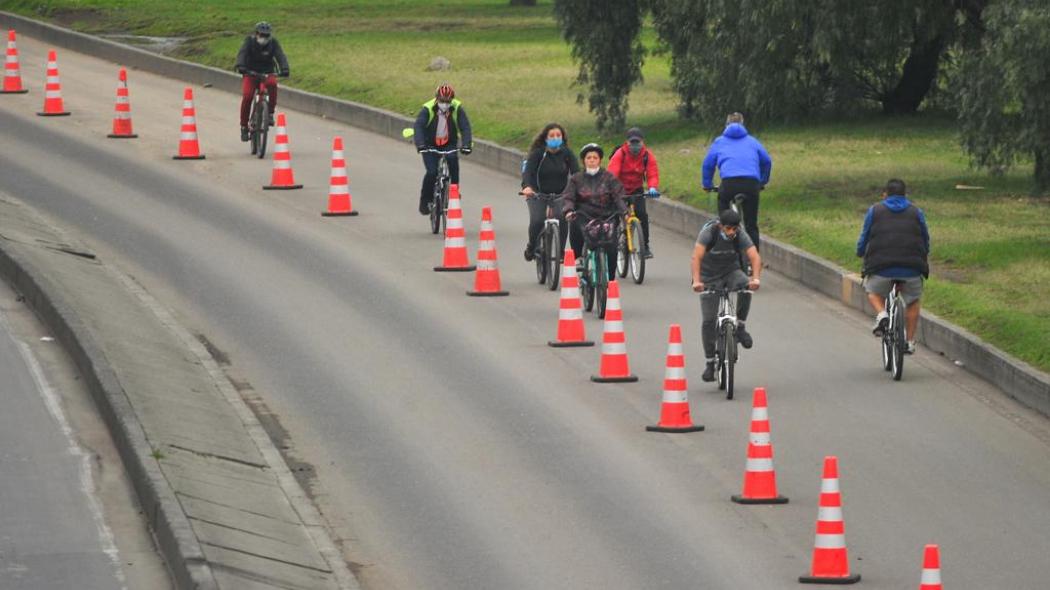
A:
[570,293]
[486,264]
[830,542]
[759,438]
[570,314]
[830,513]
[760,414]
[829,486]
[931,577]
[759,465]
[674,396]
[613,304]
[675,349]
[52,94]
[613,325]
[52,80]
[187,104]
[339,189]
[187,135]
[614,348]
[454,242]
[189,121]
[338,172]
[282,164]
[486,245]
[674,373]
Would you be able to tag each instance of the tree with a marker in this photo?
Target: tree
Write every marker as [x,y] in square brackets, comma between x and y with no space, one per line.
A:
[604,39]
[1004,90]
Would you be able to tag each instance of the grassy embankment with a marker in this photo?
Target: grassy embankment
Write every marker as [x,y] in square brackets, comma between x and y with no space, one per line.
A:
[991,247]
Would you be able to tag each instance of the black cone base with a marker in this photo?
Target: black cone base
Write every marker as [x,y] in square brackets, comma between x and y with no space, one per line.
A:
[743,500]
[839,581]
[132,136]
[694,428]
[470,268]
[488,293]
[13,91]
[283,187]
[347,214]
[200,157]
[556,344]
[625,379]
[54,114]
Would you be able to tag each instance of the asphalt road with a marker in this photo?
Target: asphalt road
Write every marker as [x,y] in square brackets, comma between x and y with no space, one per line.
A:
[452,447]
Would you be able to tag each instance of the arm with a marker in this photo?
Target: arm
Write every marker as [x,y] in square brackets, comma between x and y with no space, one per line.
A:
[463,121]
[698,257]
[568,205]
[532,163]
[765,163]
[709,165]
[862,241]
[756,267]
[242,57]
[616,163]
[652,171]
[421,129]
[282,59]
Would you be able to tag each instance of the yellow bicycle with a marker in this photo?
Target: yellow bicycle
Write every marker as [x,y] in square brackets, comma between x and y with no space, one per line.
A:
[631,245]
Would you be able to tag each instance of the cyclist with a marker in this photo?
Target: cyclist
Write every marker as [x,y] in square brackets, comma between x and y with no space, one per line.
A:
[262,54]
[635,165]
[716,265]
[548,167]
[442,123]
[744,166]
[597,194]
[895,244]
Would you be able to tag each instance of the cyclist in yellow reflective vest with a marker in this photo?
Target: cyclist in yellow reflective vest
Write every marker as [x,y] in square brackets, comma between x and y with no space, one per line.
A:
[443,124]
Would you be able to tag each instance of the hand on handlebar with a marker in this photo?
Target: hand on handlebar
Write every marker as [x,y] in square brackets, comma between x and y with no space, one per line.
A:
[527,192]
[698,286]
[753,284]
[465,150]
[570,215]
[652,193]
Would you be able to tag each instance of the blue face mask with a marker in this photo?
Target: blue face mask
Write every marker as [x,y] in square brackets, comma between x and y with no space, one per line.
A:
[554,142]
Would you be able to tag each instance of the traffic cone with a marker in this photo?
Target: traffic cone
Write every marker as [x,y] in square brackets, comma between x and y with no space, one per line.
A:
[12,75]
[760,479]
[283,178]
[486,279]
[122,116]
[570,307]
[339,204]
[455,257]
[613,368]
[830,559]
[53,106]
[189,146]
[674,413]
[931,569]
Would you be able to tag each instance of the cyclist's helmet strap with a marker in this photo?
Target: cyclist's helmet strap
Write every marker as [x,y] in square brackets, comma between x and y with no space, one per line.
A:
[263,27]
[445,92]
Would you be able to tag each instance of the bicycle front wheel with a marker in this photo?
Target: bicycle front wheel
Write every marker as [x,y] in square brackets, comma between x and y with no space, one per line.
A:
[899,340]
[541,258]
[435,209]
[729,362]
[601,283]
[622,254]
[637,258]
[586,286]
[262,127]
[554,258]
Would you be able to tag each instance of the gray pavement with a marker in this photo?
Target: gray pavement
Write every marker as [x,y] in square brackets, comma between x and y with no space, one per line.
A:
[452,447]
[53,533]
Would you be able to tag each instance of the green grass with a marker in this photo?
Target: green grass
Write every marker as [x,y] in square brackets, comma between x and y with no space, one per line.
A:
[991,247]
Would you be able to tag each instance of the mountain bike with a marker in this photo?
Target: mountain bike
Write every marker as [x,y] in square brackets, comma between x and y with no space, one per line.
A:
[439,204]
[599,238]
[894,342]
[550,249]
[259,119]
[726,347]
[631,245]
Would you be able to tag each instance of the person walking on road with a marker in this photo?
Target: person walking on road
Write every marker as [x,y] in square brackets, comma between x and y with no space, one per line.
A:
[634,165]
[895,245]
[260,53]
[717,265]
[595,194]
[443,124]
[744,166]
[548,166]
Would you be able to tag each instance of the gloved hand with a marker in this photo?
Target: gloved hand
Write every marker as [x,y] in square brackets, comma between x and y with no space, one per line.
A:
[419,149]
[465,150]
[652,193]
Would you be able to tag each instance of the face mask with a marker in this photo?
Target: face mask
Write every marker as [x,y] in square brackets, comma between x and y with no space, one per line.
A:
[635,148]
[726,236]
[444,106]
[554,142]
[592,171]
[262,40]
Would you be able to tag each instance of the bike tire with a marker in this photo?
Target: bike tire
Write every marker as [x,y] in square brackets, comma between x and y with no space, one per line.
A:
[899,340]
[253,130]
[263,127]
[729,359]
[554,259]
[601,284]
[586,286]
[435,209]
[637,258]
[443,209]
[541,259]
[622,256]
[887,353]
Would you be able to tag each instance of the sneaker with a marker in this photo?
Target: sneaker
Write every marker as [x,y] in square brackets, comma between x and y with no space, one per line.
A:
[244,134]
[743,337]
[269,120]
[530,255]
[911,347]
[647,253]
[882,321]
[709,372]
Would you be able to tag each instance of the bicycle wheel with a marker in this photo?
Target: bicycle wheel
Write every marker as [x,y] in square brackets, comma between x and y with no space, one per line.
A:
[263,127]
[253,129]
[601,283]
[541,257]
[637,258]
[554,258]
[729,360]
[899,340]
[435,209]
[887,353]
[622,253]
[586,286]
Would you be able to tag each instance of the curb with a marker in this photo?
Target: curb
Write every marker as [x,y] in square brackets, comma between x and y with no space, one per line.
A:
[1018,379]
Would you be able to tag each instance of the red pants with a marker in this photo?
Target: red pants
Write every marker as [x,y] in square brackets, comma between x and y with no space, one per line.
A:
[248,85]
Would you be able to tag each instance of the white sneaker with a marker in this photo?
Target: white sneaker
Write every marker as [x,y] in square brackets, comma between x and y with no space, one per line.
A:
[882,321]
[911,347]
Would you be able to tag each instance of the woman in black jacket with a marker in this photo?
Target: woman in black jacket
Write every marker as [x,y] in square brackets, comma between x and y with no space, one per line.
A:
[547,170]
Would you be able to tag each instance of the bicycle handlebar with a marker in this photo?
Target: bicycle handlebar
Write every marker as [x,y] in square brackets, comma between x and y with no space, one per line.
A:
[727,291]
[645,194]
[544,196]
[437,151]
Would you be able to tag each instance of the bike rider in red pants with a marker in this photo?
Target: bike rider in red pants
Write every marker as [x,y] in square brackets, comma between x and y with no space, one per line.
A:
[262,54]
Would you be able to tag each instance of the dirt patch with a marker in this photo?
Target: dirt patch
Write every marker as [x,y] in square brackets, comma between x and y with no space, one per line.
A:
[90,19]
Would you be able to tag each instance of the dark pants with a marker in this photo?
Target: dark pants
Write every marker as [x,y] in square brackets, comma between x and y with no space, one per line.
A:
[643,216]
[537,217]
[430,161]
[709,307]
[248,85]
[748,187]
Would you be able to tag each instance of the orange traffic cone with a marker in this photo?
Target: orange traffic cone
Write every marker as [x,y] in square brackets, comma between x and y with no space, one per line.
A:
[674,413]
[486,279]
[189,146]
[122,116]
[570,308]
[830,559]
[613,368]
[339,204]
[12,75]
[283,178]
[760,479]
[53,106]
[931,569]
[455,257]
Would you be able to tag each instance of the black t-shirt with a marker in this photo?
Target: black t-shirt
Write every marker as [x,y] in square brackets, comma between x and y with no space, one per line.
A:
[549,172]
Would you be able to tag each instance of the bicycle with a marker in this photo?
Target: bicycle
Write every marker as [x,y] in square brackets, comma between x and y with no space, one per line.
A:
[599,235]
[259,119]
[549,253]
[894,342]
[630,247]
[439,204]
[727,350]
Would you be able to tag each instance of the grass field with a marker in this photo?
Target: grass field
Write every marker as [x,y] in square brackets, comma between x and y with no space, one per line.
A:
[991,247]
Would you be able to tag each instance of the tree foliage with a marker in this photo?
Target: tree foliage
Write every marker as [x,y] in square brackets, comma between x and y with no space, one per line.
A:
[605,41]
[1004,90]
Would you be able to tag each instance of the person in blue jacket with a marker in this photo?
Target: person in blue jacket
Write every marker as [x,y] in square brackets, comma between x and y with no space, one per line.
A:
[744,166]
[895,245]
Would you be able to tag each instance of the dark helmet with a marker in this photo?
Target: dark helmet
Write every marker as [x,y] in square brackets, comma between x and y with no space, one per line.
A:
[445,92]
[263,28]
[729,218]
[592,147]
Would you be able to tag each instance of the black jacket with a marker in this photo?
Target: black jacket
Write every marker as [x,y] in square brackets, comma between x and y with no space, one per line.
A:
[262,58]
[895,240]
[595,196]
[427,121]
[547,172]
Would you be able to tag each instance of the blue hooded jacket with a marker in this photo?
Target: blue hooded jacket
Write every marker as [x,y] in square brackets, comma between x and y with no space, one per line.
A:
[895,203]
[737,154]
